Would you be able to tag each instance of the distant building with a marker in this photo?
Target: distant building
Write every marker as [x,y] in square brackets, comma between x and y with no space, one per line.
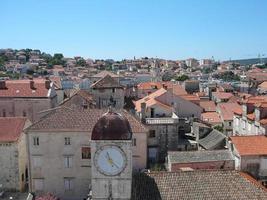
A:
[226,112]
[108,92]
[219,97]
[192,62]
[191,86]
[206,62]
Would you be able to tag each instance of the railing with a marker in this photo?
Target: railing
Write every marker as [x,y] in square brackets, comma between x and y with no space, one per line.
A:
[163,120]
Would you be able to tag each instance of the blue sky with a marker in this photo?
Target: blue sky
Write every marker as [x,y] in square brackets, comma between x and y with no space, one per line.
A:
[118,29]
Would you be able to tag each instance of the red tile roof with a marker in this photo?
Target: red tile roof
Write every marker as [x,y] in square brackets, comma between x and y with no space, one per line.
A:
[263,121]
[211,117]
[102,74]
[75,119]
[149,85]
[238,111]
[151,100]
[21,88]
[263,85]
[251,116]
[255,99]
[106,82]
[208,106]
[227,110]
[250,145]
[11,128]
[222,95]
[176,88]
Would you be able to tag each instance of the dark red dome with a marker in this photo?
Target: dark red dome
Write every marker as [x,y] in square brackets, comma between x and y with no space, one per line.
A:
[112,126]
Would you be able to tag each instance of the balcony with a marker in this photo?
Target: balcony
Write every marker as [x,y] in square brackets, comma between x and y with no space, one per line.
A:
[162,120]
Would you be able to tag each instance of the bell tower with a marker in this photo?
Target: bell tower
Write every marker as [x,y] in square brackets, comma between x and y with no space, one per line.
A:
[111,149]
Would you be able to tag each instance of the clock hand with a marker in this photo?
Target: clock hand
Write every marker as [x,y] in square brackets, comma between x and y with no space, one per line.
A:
[115,164]
[110,161]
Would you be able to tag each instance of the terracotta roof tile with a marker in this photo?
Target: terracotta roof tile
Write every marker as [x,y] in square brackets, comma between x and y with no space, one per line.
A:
[250,145]
[222,95]
[150,99]
[106,82]
[211,117]
[176,88]
[11,128]
[263,85]
[208,106]
[21,88]
[102,74]
[76,119]
[227,110]
[251,116]
[263,121]
[198,184]
[238,111]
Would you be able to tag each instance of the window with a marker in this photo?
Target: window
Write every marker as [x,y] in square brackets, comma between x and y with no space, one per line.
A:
[86,153]
[68,161]
[230,123]
[252,167]
[36,141]
[38,184]
[244,124]
[152,133]
[4,113]
[24,114]
[134,141]
[37,161]
[67,140]
[68,184]
[113,90]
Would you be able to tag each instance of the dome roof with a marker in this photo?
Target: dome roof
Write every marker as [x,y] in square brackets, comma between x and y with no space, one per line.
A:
[112,126]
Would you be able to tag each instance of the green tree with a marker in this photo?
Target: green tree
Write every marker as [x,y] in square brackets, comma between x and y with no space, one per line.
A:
[167,76]
[218,128]
[182,78]
[81,62]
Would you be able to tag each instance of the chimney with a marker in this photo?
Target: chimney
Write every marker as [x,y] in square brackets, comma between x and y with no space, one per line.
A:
[32,85]
[164,86]
[47,84]
[143,111]
[2,84]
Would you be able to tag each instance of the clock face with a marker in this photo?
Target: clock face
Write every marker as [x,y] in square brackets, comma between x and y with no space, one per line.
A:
[110,160]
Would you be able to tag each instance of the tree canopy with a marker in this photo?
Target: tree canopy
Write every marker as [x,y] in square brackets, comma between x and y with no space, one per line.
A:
[182,78]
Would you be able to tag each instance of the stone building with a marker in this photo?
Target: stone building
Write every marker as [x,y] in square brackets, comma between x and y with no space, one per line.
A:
[108,91]
[26,98]
[13,155]
[111,143]
[63,139]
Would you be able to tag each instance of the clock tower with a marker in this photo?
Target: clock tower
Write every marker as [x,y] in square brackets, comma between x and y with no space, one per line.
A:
[111,161]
